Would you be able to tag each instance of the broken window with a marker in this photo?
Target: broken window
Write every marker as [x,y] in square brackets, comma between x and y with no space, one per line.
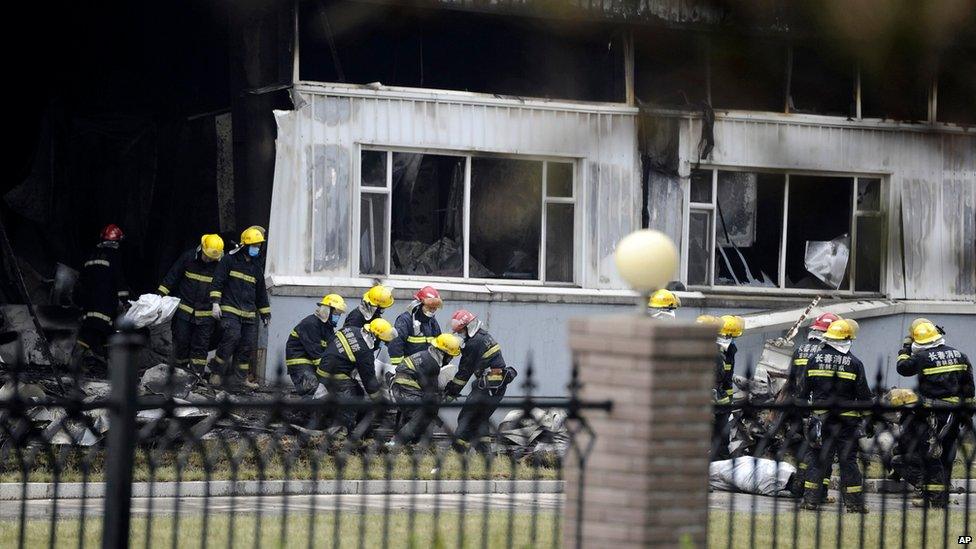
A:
[821,82]
[957,86]
[748,73]
[834,231]
[397,45]
[669,67]
[896,94]
[819,213]
[427,215]
[520,222]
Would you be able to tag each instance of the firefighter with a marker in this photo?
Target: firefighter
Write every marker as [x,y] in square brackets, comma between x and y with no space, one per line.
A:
[307,343]
[731,327]
[833,373]
[481,357]
[103,295]
[375,300]
[238,297]
[945,380]
[416,327]
[350,351]
[663,304]
[721,395]
[416,380]
[189,279]
[798,364]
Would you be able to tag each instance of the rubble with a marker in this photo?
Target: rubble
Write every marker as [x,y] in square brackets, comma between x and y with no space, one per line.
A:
[543,435]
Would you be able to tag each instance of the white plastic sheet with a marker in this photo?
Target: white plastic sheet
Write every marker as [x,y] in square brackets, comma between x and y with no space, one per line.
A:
[751,475]
[827,259]
[151,310]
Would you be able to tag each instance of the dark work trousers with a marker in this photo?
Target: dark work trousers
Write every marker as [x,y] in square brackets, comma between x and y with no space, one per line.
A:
[926,471]
[839,438]
[412,423]
[237,340]
[720,436]
[303,378]
[473,422]
[191,342]
[357,423]
[89,351]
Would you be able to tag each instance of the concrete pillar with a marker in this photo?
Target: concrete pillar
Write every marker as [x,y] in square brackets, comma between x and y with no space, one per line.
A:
[645,483]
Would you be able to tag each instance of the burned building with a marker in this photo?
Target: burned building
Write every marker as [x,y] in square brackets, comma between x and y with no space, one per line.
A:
[500,150]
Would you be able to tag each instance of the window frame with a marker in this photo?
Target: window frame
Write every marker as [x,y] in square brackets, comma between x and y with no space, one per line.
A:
[781,288]
[577,199]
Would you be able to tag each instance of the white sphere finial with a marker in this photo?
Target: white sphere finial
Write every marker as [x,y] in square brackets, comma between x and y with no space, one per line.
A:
[646,259]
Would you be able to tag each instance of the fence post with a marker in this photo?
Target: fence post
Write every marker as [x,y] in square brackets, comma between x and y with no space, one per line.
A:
[646,479]
[120,448]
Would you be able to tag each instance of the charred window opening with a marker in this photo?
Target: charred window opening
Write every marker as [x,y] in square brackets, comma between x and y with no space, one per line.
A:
[364,42]
[669,67]
[957,87]
[519,223]
[897,93]
[821,82]
[747,73]
[779,230]
[749,223]
[818,240]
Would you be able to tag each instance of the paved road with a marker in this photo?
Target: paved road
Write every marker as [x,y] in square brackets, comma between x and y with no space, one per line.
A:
[892,503]
[275,505]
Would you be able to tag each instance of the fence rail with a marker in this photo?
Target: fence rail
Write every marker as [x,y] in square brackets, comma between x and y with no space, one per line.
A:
[177,463]
[904,474]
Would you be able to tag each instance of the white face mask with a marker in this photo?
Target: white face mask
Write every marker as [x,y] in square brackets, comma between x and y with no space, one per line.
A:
[663,314]
[843,346]
[724,342]
[429,313]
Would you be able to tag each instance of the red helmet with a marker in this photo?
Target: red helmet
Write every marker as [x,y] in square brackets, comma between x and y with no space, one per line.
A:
[112,232]
[823,322]
[461,318]
[429,297]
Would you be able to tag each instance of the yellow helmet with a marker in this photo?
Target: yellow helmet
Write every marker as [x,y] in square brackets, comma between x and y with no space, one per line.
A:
[902,397]
[382,329]
[335,301]
[212,246]
[840,329]
[449,343]
[916,322]
[252,235]
[663,299]
[259,229]
[379,296]
[925,332]
[732,326]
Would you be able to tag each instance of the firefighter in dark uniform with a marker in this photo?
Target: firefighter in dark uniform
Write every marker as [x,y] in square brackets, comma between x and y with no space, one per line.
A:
[835,374]
[238,297]
[945,381]
[416,380]
[103,294]
[189,279]
[351,351]
[416,327]
[481,357]
[721,394]
[307,343]
[731,327]
[798,365]
[375,300]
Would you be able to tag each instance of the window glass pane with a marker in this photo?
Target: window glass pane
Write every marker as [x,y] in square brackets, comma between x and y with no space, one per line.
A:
[373,169]
[701,186]
[818,239]
[748,227]
[868,194]
[506,214]
[559,242]
[559,179]
[372,233]
[870,242]
[427,219]
[699,241]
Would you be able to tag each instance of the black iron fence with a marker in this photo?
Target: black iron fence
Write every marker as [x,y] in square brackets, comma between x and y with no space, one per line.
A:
[160,458]
[896,470]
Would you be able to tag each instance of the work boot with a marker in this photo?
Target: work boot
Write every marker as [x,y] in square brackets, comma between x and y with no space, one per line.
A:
[857,508]
[215,380]
[251,382]
[809,506]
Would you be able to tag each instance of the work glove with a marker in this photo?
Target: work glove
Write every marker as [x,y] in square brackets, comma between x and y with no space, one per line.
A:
[266,319]
[215,309]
